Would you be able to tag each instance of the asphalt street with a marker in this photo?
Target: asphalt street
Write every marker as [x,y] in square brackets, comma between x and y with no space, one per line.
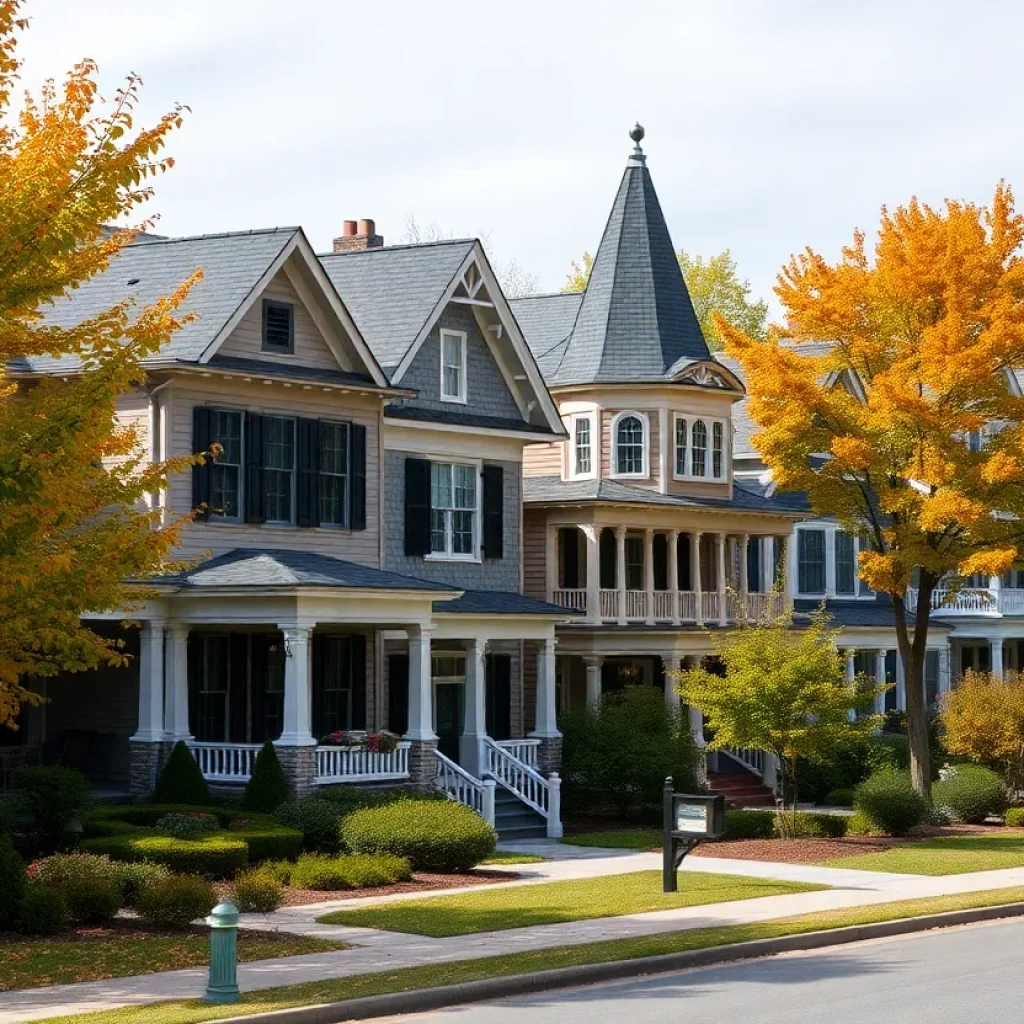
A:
[968,975]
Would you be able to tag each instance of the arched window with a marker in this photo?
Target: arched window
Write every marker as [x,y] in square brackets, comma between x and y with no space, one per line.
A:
[629,445]
[699,460]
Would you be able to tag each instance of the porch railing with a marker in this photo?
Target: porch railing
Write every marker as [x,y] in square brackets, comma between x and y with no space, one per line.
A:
[663,604]
[751,759]
[225,762]
[543,795]
[525,750]
[687,605]
[357,764]
[609,604]
[636,604]
[682,605]
[461,787]
[573,598]
[973,601]
[709,607]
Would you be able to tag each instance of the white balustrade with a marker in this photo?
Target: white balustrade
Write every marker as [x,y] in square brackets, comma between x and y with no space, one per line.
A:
[543,795]
[358,764]
[687,605]
[609,604]
[525,750]
[709,606]
[636,604]
[1011,601]
[573,598]
[765,606]
[751,759]
[969,601]
[225,762]
[461,787]
[663,604]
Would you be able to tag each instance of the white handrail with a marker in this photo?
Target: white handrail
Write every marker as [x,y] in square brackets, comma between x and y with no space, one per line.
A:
[571,597]
[749,757]
[361,764]
[636,604]
[461,787]
[540,794]
[525,750]
[609,604]
[225,762]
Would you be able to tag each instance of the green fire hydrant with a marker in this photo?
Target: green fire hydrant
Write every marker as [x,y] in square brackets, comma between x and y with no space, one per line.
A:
[223,984]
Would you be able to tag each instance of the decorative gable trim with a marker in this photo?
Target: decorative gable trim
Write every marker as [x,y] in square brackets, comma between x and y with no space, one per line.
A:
[709,375]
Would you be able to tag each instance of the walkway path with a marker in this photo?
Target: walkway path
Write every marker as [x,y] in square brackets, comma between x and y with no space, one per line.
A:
[380,951]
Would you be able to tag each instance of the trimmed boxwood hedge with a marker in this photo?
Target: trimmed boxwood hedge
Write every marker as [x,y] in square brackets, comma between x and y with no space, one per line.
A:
[215,855]
[431,835]
[740,824]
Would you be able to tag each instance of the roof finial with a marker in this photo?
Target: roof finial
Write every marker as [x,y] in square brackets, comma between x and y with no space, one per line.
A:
[637,133]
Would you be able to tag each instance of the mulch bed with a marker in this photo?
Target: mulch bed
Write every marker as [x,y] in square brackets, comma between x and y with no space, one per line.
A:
[120,928]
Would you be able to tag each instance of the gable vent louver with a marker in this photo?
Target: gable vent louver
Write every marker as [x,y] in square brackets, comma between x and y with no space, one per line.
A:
[277,327]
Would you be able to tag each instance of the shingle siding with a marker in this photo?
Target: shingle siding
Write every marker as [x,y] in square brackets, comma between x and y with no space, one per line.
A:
[490,574]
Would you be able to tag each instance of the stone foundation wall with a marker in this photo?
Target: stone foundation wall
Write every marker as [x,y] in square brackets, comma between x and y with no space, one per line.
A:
[549,755]
[422,763]
[146,760]
[299,765]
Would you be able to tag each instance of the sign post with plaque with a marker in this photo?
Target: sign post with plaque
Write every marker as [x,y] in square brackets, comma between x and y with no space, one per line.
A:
[688,819]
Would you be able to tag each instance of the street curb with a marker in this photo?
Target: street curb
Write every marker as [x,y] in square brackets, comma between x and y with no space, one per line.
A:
[422,1000]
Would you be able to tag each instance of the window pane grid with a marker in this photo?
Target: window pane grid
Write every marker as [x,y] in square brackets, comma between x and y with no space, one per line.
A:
[845,568]
[716,450]
[629,446]
[583,445]
[451,366]
[333,473]
[699,456]
[225,472]
[811,561]
[681,442]
[452,508]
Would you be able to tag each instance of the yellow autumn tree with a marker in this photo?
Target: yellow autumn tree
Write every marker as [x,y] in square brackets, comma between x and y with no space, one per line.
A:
[78,508]
[923,333]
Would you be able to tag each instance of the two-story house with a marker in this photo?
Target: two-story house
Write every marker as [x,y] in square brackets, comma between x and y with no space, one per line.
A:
[356,544]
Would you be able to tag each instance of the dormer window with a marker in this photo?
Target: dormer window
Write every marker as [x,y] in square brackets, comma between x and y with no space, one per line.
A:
[278,327]
[582,433]
[453,366]
[700,449]
[629,431]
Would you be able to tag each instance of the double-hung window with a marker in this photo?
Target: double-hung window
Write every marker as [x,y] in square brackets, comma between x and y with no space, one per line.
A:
[717,450]
[682,440]
[582,446]
[279,469]
[334,473]
[226,470]
[846,565]
[811,561]
[699,449]
[453,509]
[453,366]
[629,445]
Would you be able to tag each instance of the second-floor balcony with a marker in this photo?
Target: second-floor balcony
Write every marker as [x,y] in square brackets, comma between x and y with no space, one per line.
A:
[986,601]
[679,606]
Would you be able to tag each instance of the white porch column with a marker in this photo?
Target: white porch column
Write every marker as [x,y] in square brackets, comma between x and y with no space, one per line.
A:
[945,679]
[474,726]
[997,652]
[723,611]
[880,680]
[421,702]
[744,568]
[766,546]
[620,571]
[551,559]
[851,673]
[546,717]
[298,687]
[593,664]
[901,685]
[592,535]
[671,664]
[649,576]
[151,682]
[673,572]
[695,580]
[176,692]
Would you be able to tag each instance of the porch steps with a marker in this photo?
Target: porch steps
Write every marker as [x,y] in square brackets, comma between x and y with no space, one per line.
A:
[741,789]
[513,819]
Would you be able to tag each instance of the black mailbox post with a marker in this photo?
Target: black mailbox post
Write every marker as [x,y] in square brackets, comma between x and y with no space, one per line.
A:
[688,820]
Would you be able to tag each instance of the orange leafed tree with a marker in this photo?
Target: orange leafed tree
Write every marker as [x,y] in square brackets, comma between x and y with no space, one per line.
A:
[77,511]
[924,333]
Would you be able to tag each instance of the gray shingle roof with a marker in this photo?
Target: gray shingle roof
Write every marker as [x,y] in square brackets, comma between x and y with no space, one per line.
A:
[743,426]
[390,292]
[259,567]
[463,419]
[491,602]
[636,320]
[546,322]
[232,264]
[265,368]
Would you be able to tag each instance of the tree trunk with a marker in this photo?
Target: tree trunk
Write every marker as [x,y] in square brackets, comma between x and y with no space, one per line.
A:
[912,654]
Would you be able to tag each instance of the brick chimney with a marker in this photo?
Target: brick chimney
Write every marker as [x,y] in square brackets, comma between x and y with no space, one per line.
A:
[356,237]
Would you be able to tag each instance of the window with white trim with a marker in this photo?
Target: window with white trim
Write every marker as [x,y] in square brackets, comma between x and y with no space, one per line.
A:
[682,440]
[582,442]
[700,449]
[453,366]
[279,469]
[453,509]
[334,473]
[226,470]
[630,437]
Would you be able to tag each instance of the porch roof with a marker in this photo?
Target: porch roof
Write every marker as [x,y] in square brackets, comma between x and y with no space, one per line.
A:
[258,568]
[859,613]
[495,602]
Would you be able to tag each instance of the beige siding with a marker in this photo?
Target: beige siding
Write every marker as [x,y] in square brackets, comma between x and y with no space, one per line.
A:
[608,453]
[356,545]
[133,411]
[534,554]
[543,459]
[246,340]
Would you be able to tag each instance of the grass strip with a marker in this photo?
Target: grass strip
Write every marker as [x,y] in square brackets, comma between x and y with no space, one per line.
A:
[619,839]
[637,892]
[435,975]
[56,962]
[949,855]
[508,857]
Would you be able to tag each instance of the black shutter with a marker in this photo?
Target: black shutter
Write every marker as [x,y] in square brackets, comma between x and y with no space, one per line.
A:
[398,693]
[608,559]
[568,542]
[307,484]
[254,468]
[201,475]
[660,552]
[357,517]
[499,696]
[494,496]
[238,688]
[319,662]
[417,507]
[357,681]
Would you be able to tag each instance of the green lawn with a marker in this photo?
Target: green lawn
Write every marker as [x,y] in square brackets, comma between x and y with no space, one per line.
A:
[622,839]
[951,855]
[551,902]
[507,857]
[56,962]
[434,975]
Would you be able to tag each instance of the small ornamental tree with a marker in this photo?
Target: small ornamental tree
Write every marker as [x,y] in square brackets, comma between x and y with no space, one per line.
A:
[267,787]
[983,719]
[181,781]
[784,691]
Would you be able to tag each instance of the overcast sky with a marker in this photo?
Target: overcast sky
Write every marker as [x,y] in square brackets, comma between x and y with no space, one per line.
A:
[771,124]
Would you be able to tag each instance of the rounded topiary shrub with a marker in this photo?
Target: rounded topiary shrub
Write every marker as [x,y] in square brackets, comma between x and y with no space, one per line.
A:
[267,787]
[92,900]
[12,881]
[970,793]
[257,892]
[890,803]
[181,781]
[317,819]
[1014,817]
[431,835]
[43,911]
[176,902]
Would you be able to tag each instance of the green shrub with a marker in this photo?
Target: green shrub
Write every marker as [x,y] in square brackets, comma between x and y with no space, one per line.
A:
[1014,817]
[13,880]
[257,892]
[971,793]
[215,856]
[183,826]
[431,835]
[91,900]
[52,797]
[267,787]
[317,819]
[615,756]
[890,802]
[749,824]
[181,781]
[323,873]
[811,825]
[858,824]
[65,869]
[134,877]
[43,911]
[133,816]
[839,798]
[176,902]
[279,869]
[267,840]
